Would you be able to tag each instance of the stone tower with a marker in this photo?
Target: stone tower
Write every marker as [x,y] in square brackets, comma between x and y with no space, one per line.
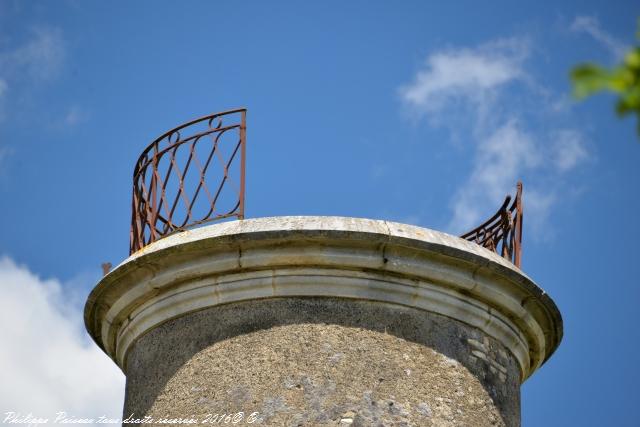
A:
[310,321]
[305,321]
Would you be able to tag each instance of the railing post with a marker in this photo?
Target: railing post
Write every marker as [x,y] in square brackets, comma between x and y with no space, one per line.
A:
[133,246]
[243,144]
[154,196]
[517,241]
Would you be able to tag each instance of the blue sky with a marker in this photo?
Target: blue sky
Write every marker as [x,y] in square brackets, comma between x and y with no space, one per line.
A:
[426,113]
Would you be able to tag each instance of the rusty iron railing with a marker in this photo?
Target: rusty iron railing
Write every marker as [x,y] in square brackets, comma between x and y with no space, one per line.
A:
[502,233]
[185,177]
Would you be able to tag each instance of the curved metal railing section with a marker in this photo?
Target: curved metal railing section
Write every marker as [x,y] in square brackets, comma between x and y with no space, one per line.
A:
[502,233]
[190,175]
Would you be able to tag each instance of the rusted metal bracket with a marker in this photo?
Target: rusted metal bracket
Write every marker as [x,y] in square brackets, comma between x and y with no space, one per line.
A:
[106,268]
[502,233]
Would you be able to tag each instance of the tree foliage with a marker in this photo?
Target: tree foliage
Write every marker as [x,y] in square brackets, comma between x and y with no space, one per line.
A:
[623,80]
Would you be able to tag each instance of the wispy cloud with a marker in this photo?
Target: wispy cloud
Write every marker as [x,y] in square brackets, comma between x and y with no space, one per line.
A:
[5,152]
[3,87]
[500,159]
[53,365]
[22,66]
[74,116]
[465,74]
[477,84]
[568,149]
[590,25]
[40,57]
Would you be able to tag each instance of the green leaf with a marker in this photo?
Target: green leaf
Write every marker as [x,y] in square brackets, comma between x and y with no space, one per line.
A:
[623,80]
[588,79]
[629,101]
[632,59]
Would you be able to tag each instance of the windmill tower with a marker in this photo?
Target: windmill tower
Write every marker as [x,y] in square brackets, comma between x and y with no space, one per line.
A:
[304,321]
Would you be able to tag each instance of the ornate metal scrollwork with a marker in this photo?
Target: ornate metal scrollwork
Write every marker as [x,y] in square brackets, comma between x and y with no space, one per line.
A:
[502,233]
[174,177]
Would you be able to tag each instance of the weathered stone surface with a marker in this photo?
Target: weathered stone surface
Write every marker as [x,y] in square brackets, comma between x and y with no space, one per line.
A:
[323,361]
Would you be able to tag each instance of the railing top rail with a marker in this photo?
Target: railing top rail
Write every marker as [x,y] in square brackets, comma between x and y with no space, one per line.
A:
[183,126]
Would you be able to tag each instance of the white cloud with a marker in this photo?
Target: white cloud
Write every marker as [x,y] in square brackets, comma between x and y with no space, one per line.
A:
[40,57]
[568,149]
[3,87]
[50,364]
[465,74]
[499,161]
[467,89]
[591,26]
[5,152]
[74,116]
[538,205]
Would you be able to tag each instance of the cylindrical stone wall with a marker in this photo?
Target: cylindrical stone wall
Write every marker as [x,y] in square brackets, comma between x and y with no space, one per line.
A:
[308,321]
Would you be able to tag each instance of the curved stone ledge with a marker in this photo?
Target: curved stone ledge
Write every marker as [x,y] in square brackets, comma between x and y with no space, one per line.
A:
[323,257]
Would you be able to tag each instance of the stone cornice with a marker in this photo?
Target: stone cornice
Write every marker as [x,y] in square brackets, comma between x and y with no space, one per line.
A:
[323,256]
